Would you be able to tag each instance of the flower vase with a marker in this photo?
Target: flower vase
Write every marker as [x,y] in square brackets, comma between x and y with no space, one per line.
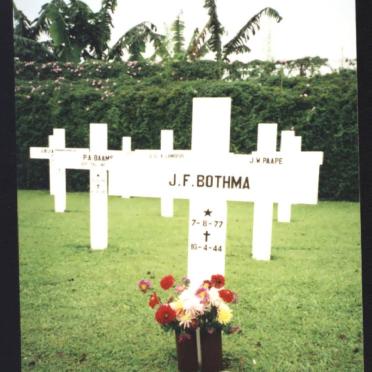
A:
[187,355]
[211,350]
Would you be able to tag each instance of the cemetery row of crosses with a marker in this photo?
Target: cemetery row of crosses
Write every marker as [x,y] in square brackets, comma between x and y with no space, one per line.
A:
[208,175]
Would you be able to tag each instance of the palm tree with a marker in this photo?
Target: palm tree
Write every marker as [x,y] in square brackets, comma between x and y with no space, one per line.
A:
[238,44]
[208,39]
[26,46]
[134,42]
[76,32]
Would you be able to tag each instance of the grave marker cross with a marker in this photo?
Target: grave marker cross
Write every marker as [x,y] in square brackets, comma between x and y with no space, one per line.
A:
[208,176]
[57,175]
[211,175]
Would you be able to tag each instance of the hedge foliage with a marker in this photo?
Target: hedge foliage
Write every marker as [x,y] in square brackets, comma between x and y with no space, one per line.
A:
[139,101]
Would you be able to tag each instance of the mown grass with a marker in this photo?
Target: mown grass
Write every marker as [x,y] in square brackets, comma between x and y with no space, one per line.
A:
[81,310]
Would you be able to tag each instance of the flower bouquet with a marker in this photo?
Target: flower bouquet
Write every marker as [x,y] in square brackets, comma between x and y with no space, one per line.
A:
[198,316]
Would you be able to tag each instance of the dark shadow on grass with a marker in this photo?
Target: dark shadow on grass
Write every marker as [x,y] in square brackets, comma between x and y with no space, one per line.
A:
[229,361]
[76,211]
[272,258]
[287,223]
[286,248]
[78,247]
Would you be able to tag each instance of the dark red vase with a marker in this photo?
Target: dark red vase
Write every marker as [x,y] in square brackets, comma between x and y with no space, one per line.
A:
[211,350]
[187,352]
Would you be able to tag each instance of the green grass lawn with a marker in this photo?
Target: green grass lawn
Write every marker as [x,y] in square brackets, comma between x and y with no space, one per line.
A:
[81,310]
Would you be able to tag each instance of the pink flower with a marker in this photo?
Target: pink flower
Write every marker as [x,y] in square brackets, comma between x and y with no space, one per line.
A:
[203,294]
[180,288]
[144,285]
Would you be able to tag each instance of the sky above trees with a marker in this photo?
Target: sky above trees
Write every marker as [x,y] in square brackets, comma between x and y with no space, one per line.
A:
[309,28]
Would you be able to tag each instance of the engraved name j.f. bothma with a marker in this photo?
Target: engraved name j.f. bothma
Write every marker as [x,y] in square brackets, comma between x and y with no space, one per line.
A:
[208,180]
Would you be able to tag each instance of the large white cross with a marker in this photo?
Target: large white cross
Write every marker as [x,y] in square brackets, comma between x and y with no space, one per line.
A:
[208,175]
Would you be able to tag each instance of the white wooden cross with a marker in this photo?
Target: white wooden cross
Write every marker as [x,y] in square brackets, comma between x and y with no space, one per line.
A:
[299,181]
[208,211]
[208,175]
[98,160]
[57,175]
[57,171]
[291,144]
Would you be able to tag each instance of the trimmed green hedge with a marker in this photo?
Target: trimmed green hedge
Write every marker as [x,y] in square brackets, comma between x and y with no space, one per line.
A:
[321,109]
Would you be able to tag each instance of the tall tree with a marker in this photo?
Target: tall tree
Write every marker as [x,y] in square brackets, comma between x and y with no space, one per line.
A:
[215,29]
[26,45]
[76,32]
[209,38]
[238,44]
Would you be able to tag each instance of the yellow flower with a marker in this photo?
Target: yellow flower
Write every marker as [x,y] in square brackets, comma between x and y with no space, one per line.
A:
[185,319]
[177,305]
[224,314]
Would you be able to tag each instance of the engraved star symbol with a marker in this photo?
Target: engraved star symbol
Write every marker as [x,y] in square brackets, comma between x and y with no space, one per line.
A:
[207,212]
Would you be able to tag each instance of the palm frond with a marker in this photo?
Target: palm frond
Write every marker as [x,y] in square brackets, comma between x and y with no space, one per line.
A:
[134,42]
[237,43]
[109,5]
[22,24]
[28,49]
[215,28]
[198,46]
[43,22]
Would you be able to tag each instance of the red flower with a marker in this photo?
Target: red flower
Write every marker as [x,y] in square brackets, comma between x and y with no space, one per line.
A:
[218,281]
[165,314]
[154,300]
[167,282]
[226,295]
